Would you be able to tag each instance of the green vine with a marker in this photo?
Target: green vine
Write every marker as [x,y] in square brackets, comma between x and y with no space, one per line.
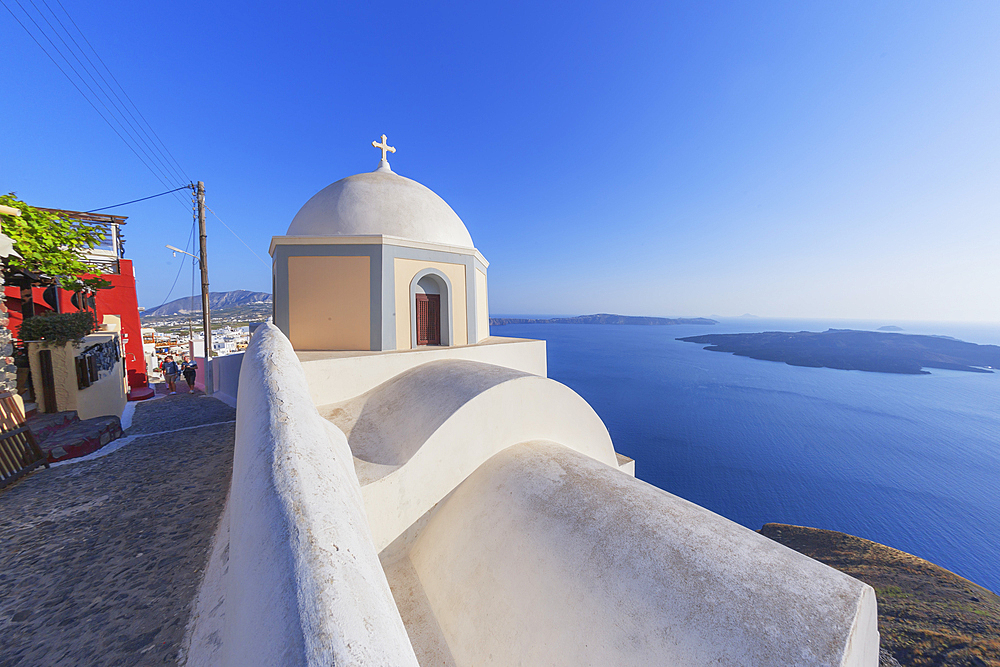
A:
[50,245]
[59,328]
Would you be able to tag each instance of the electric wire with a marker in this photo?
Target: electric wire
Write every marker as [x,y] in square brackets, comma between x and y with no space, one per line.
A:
[70,79]
[124,92]
[132,146]
[238,237]
[160,163]
[175,170]
[137,128]
[164,167]
[163,174]
[179,269]
[176,173]
[123,122]
[105,208]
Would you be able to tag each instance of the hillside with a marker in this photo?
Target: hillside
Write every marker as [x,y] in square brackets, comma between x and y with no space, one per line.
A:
[216,301]
[928,616]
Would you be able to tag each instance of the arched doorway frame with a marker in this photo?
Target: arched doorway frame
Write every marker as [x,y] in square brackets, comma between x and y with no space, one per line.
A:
[444,286]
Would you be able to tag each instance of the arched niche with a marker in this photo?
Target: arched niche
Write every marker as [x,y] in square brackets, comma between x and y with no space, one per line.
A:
[432,282]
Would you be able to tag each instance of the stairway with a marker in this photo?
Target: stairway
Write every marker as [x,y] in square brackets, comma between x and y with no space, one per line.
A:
[63,435]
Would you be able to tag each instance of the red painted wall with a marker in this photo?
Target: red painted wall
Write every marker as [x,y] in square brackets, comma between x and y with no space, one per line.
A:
[13,295]
[123,302]
[120,300]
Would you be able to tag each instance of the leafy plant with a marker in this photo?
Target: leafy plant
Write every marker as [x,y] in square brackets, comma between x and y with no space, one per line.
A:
[50,245]
[58,328]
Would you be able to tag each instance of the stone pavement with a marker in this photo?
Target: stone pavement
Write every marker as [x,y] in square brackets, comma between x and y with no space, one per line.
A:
[100,561]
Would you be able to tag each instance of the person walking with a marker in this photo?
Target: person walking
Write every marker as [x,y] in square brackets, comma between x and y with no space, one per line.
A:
[190,370]
[170,373]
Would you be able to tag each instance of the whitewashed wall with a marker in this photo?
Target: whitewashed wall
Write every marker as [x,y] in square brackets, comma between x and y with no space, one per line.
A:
[545,556]
[226,377]
[304,585]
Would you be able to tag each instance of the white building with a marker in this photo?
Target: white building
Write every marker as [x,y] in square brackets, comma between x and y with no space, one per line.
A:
[377,261]
[410,490]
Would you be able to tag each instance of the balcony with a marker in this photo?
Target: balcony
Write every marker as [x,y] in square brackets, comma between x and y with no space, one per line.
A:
[104,258]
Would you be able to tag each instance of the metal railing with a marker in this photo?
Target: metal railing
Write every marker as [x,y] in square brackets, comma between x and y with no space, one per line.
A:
[102,263]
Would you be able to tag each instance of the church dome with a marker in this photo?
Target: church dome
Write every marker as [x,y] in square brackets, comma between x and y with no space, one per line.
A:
[380,202]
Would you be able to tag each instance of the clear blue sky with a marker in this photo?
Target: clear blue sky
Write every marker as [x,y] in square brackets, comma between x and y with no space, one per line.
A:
[796,159]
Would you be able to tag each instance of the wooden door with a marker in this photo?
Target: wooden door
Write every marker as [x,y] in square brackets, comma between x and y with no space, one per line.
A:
[48,380]
[428,319]
[433,319]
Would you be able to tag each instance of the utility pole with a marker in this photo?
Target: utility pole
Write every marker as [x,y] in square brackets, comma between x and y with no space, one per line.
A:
[209,383]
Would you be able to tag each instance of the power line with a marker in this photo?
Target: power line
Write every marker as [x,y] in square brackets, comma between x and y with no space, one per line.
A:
[175,171]
[179,268]
[68,77]
[238,237]
[134,135]
[105,208]
[164,178]
[113,78]
[154,154]
[158,172]
[87,77]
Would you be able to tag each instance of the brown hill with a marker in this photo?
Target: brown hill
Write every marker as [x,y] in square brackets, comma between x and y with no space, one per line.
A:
[927,615]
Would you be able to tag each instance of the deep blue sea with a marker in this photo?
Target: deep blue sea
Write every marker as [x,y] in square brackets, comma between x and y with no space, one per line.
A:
[911,461]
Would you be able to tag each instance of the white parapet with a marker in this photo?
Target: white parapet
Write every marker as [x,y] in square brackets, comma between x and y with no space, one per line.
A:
[508,529]
[418,436]
[545,556]
[304,585]
[338,376]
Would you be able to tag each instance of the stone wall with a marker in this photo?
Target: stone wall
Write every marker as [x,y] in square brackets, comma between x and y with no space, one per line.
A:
[8,371]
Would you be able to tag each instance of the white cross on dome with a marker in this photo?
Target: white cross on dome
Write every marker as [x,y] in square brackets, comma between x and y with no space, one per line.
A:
[384,147]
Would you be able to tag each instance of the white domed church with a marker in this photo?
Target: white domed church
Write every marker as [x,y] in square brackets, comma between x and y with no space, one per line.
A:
[408,490]
[377,261]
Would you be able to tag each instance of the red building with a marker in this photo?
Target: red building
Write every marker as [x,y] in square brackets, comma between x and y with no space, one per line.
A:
[120,299]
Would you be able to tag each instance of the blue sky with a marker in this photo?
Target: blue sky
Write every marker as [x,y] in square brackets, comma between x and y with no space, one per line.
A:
[829,160]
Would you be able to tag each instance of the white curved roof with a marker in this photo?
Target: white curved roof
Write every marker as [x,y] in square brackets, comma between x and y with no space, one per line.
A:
[380,202]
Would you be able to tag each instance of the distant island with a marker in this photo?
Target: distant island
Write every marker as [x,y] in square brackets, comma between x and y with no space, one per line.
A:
[857,350]
[891,327]
[603,318]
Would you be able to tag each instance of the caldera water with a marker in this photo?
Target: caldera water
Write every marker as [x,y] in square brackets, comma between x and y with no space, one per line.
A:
[910,461]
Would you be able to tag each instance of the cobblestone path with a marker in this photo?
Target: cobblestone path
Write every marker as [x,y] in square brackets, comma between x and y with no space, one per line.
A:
[100,561]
